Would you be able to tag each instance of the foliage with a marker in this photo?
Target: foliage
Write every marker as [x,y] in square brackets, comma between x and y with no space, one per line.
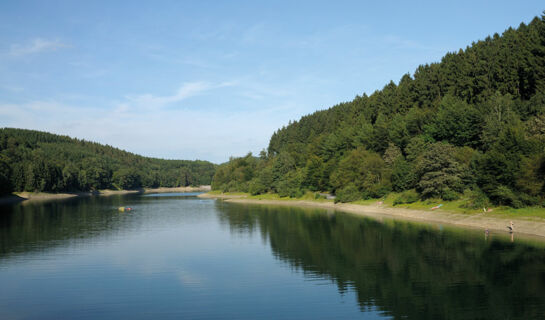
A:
[127,178]
[236,174]
[439,175]
[476,199]
[403,175]
[473,121]
[348,194]
[39,161]
[407,196]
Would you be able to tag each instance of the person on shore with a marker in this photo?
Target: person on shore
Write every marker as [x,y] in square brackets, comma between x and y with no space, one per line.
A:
[511,227]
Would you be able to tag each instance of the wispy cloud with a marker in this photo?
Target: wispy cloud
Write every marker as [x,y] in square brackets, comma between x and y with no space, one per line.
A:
[186,90]
[36,45]
[205,134]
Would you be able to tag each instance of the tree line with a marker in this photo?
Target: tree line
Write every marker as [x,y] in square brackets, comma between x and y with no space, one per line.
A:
[37,161]
[471,125]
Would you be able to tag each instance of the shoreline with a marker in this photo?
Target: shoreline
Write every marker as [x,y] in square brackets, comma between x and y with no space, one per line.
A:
[534,227]
[45,196]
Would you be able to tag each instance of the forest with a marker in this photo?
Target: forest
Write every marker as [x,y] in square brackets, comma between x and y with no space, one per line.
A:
[37,161]
[471,125]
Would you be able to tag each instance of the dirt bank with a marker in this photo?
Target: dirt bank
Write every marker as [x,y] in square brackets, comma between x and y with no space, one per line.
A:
[529,226]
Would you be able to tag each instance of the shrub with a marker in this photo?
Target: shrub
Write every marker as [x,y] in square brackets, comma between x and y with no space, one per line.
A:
[319,196]
[403,176]
[255,187]
[529,200]
[505,196]
[476,199]
[449,195]
[439,173]
[348,194]
[408,196]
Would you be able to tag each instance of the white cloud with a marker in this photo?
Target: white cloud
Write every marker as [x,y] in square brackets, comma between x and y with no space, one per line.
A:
[164,133]
[36,45]
[147,125]
[186,90]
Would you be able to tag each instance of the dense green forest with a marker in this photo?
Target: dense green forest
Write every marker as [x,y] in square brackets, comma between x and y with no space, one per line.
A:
[40,161]
[471,125]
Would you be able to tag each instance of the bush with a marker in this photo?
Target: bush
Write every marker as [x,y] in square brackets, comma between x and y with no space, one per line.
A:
[348,194]
[477,199]
[234,186]
[319,196]
[290,185]
[439,173]
[403,177]
[408,196]
[296,193]
[505,196]
[376,191]
[449,195]
[255,187]
[529,200]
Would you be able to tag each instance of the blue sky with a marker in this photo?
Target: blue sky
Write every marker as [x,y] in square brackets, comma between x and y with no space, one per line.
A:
[213,79]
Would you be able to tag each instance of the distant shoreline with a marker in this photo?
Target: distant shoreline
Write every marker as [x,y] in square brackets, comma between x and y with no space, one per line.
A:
[526,226]
[45,196]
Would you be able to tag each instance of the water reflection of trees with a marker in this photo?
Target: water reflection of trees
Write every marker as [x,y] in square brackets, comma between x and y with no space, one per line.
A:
[406,270]
[37,226]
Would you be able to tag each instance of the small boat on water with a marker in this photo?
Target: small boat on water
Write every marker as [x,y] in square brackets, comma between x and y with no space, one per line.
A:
[123,209]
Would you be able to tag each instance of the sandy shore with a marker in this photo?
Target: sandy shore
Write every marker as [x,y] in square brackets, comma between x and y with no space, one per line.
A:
[44,196]
[528,226]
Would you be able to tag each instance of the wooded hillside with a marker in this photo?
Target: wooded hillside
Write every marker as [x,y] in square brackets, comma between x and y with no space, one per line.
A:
[472,124]
[40,161]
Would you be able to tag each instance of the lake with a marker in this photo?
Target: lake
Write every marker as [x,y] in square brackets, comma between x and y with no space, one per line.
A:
[176,256]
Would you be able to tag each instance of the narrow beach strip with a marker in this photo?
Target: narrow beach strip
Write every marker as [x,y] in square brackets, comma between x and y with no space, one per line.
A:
[532,226]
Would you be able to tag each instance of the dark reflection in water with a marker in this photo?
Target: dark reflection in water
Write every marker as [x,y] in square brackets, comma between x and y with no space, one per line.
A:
[177,256]
[39,225]
[406,270]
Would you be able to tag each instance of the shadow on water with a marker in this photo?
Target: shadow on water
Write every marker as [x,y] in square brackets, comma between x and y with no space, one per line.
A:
[38,226]
[408,271]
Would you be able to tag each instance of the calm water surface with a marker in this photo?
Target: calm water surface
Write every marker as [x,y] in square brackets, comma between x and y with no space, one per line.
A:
[180,257]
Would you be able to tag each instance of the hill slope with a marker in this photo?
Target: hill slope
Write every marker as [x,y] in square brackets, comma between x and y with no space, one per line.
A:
[39,161]
[473,123]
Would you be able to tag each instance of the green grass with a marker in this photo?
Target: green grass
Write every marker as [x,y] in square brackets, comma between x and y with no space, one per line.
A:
[217,192]
[309,196]
[456,206]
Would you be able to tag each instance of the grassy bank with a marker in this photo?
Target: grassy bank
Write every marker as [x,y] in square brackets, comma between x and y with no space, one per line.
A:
[457,206]
[528,221]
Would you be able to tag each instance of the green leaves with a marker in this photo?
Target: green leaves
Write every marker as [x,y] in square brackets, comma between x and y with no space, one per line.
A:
[475,121]
[40,161]
[456,122]
[127,178]
[438,172]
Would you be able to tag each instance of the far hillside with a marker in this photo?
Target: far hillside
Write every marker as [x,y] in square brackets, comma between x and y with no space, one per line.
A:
[37,161]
